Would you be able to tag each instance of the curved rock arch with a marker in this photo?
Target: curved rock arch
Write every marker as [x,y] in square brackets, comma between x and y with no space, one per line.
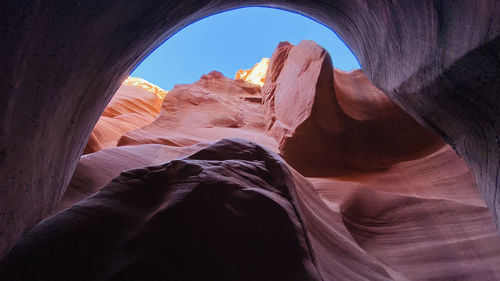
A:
[62,62]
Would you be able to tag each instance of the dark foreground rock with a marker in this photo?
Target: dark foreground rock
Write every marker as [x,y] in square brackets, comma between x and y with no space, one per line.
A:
[225,213]
[236,211]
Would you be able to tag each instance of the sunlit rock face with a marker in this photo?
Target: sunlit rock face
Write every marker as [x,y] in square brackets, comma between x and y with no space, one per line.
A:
[136,103]
[169,203]
[146,85]
[256,74]
[210,109]
[62,61]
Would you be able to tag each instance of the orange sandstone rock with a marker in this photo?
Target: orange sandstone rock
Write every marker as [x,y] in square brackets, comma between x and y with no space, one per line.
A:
[256,74]
[384,200]
[212,108]
[333,123]
[146,85]
[135,104]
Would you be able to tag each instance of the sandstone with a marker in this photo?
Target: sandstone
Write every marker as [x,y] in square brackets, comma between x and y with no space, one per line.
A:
[235,191]
[96,170]
[146,85]
[212,108]
[62,61]
[408,213]
[418,214]
[422,210]
[135,104]
[224,213]
[333,123]
[256,74]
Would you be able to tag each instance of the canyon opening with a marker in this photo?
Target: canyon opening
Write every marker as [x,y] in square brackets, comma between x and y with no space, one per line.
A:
[289,170]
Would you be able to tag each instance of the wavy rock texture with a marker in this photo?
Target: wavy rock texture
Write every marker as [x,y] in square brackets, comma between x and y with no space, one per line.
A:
[334,123]
[235,210]
[232,211]
[434,226]
[146,85]
[199,218]
[63,60]
[214,107]
[95,170]
[135,104]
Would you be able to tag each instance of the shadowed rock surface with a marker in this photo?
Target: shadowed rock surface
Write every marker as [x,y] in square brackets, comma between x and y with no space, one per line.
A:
[225,213]
[236,211]
[405,206]
[95,170]
[63,61]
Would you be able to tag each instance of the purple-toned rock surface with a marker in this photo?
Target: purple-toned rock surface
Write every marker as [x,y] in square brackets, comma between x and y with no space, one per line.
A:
[438,60]
[168,204]
[225,213]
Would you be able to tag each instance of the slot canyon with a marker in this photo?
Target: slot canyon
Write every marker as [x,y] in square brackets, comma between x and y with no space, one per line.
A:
[293,170]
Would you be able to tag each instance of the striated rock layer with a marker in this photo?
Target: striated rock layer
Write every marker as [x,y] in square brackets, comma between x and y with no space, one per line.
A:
[63,60]
[146,85]
[135,104]
[232,211]
[191,209]
[210,109]
[331,123]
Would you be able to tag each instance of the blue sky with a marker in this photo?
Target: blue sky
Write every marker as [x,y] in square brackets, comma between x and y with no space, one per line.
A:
[235,40]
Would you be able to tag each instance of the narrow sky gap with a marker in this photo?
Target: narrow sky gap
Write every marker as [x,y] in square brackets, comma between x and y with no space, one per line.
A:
[235,40]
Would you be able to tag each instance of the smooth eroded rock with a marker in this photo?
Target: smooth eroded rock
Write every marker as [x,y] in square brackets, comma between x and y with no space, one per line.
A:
[62,61]
[130,108]
[333,123]
[224,213]
[212,108]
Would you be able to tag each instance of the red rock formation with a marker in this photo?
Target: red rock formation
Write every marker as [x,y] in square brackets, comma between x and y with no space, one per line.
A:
[243,203]
[135,104]
[63,60]
[234,210]
[146,85]
[422,219]
[192,115]
[95,170]
[200,218]
[229,211]
[215,107]
[334,123]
